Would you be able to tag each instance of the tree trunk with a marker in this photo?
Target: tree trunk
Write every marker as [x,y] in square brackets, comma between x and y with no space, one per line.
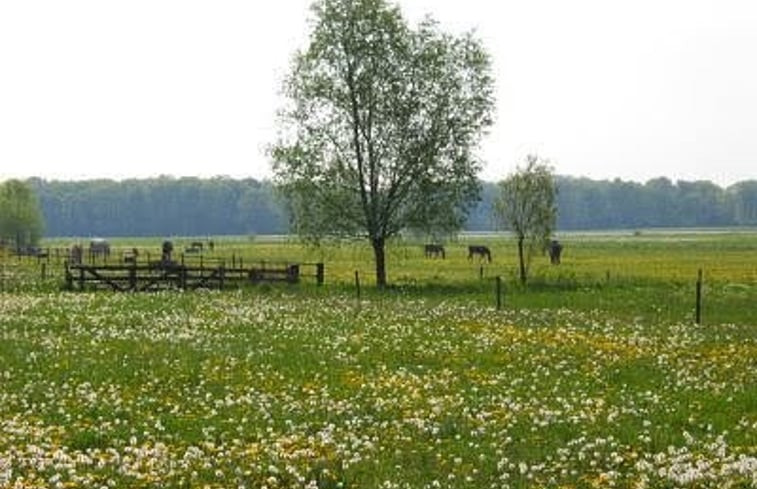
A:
[378,253]
[522,260]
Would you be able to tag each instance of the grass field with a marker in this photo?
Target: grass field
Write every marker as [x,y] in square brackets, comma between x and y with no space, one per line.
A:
[592,376]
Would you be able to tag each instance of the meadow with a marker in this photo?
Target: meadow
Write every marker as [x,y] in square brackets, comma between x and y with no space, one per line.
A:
[593,375]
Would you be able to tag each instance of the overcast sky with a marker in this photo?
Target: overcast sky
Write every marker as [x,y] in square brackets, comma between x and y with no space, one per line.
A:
[633,89]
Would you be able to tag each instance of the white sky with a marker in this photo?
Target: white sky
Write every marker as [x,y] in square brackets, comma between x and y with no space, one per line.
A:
[604,88]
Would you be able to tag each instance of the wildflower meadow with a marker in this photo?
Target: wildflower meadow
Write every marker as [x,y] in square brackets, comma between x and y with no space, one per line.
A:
[576,382]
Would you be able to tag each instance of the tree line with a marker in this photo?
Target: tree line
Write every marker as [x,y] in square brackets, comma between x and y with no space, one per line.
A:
[163,206]
[169,206]
[586,204]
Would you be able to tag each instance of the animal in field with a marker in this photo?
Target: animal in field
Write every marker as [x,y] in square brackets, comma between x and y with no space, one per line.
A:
[99,247]
[195,247]
[31,251]
[480,251]
[555,250]
[76,254]
[131,256]
[166,251]
[434,251]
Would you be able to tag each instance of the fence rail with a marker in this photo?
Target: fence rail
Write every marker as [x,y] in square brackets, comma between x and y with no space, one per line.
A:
[137,277]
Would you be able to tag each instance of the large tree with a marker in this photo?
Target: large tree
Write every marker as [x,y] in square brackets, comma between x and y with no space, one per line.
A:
[526,205]
[21,220]
[380,125]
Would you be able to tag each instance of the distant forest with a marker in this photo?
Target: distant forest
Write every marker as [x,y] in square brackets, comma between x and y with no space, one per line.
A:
[169,206]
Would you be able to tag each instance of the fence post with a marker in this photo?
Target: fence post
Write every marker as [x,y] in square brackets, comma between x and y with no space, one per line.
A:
[293,273]
[481,272]
[67,273]
[44,271]
[319,273]
[698,312]
[133,276]
[182,275]
[357,285]
[498,281]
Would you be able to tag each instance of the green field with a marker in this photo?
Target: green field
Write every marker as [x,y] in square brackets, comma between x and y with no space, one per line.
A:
[594,375]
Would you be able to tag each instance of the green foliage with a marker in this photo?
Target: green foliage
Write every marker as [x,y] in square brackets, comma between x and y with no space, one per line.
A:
[162,206]
[21,222]
[618,204]
[380,126]
[526,206]
[590,204]
[743,200]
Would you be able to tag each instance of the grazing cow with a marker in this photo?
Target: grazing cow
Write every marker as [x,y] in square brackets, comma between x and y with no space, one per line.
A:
[196,247]
[555,250]
[99,247]
[434,251]
[481,251]
[31,251]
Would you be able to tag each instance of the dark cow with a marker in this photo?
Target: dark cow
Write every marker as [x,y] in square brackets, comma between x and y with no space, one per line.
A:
[481,251]
[195,247]
[76,254]
[167,250]
[434,251]
[555,250]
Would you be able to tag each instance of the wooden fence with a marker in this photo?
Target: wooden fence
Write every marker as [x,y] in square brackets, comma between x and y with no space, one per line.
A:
[135,277]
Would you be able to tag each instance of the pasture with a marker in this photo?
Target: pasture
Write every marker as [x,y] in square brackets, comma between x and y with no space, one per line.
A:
[594,375]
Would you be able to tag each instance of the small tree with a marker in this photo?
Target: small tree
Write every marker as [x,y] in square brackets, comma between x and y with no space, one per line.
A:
[21,220]
[382,120]
[526,205]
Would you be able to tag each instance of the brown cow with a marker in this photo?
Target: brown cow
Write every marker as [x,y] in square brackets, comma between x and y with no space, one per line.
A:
[481,251]
[434,251]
